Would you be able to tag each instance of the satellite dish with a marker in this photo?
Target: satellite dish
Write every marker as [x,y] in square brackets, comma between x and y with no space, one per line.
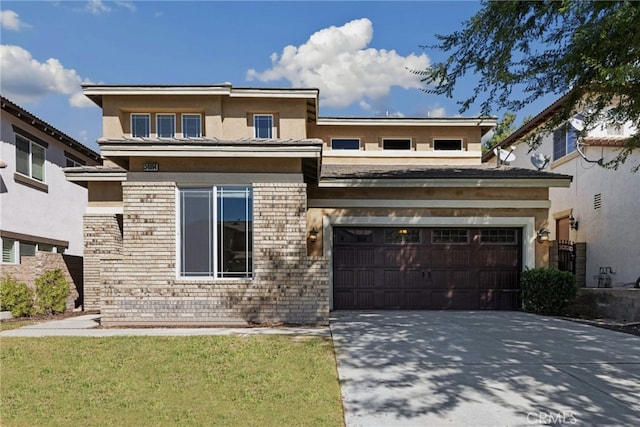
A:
[504,155]
[577,124]
[540,161]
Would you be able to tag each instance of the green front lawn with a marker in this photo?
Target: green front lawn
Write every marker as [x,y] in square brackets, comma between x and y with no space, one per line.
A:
[156,381]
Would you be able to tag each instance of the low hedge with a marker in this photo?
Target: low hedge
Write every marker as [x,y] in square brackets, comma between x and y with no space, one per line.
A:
[15,297]
[547,291]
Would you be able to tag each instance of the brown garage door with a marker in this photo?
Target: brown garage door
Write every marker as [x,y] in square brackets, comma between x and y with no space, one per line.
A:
[420,268]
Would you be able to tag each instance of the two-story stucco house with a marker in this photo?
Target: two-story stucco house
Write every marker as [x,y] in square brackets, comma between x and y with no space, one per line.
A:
[226,205]
[40,210]
[600,207]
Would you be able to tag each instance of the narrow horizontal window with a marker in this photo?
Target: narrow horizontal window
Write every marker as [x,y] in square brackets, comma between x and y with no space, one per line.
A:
[504,236]
[402,235]
[353,235]
[396,144]
[345,144]
[449,235]
[447,144]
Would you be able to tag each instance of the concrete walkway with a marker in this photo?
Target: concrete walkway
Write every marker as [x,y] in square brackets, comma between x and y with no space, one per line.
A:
[483,369]
[86,326]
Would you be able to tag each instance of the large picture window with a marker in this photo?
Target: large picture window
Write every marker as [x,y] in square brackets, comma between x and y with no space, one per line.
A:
[216,231]
[30,158]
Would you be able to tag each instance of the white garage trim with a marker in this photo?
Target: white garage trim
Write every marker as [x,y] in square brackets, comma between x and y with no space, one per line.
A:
[403,203]
[527,224]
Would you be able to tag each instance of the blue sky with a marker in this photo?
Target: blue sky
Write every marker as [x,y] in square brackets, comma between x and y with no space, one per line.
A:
[356,53]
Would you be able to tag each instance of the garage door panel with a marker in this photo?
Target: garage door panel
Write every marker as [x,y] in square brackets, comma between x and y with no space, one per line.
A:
[343,299]
[365,299]
[343,279]
[403,257]
[392,300]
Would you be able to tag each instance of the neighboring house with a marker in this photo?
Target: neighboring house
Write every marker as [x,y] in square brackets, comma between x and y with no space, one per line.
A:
[40,211]
[226,205]
[602,204]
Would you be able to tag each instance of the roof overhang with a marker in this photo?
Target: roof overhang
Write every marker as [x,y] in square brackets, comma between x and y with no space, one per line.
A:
[96,92]
[286,149]
[446,183]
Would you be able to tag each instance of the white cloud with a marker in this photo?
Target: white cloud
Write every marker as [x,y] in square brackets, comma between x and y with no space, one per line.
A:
[23,79]
[97,7]
[437,112]
[127,5]
[337,61]
[9,20]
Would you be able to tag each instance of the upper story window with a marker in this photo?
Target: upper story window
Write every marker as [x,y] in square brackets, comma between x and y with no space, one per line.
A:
[564,141]
[191,126]
[263,125]
[166,125]
[396,144]
[140,125]
[345,144]
[447,144]
[30,158]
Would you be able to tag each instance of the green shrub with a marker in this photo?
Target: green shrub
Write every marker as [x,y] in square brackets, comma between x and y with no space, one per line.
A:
[15,297]
[52,290]
[547,291]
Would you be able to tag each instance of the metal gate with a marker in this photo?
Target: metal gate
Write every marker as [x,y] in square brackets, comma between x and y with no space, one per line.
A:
[567,256]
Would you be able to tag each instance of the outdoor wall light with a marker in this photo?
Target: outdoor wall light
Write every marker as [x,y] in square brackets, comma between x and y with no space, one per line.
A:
[313,235]
[543,235]
[573,224]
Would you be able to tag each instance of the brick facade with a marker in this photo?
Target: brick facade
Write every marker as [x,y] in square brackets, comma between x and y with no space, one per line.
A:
[33,267]
[102,238]
[140,285]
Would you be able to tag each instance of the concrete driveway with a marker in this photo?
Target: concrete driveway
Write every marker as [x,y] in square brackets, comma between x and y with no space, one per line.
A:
[455,368]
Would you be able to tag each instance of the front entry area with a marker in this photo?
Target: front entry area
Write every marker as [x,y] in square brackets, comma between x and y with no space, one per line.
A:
[426,268]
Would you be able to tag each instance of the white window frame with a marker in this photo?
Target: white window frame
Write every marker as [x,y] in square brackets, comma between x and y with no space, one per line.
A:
[461,148]
[398,139]
[213,238]
[273,125]
[44,159]
[165,115]
[348,139]
[199,116]
[148,115]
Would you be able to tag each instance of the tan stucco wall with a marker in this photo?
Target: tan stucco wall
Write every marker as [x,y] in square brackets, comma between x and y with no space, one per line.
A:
[222,117]
[421,137]
[235,165]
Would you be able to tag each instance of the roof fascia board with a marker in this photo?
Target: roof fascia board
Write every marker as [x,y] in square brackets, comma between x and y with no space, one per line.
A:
[200,151]
[95,176]
[446,183]
[368,121]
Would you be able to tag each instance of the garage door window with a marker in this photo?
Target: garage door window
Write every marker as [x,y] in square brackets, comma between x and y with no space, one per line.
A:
[402,235]
[499,236]
[449,235]
[354,235]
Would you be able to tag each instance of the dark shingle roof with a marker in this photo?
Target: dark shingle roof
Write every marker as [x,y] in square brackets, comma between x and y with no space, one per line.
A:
[36,122]
[330,172]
